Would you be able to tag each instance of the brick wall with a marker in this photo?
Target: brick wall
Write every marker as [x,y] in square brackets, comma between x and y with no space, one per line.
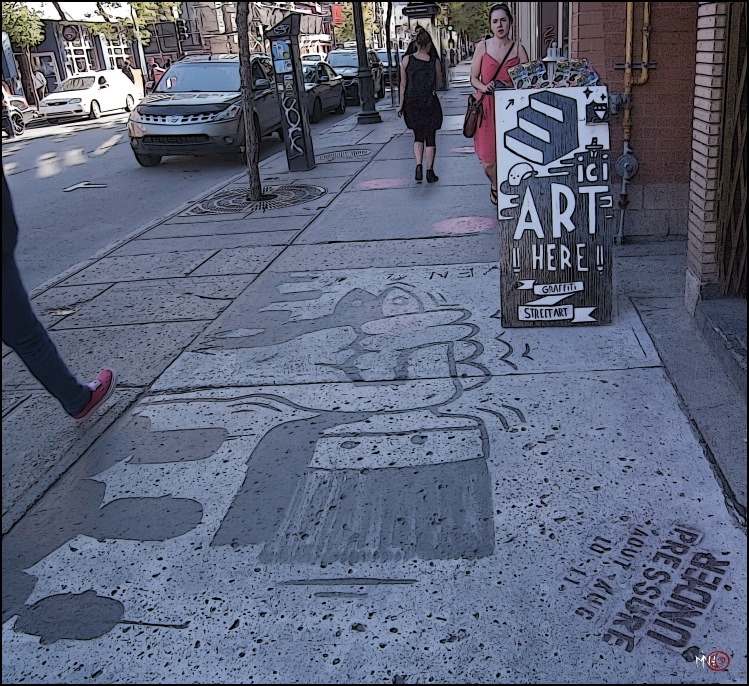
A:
[702,262]
[661,108]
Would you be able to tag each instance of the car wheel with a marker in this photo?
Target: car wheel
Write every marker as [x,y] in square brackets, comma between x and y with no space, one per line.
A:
[382,88]
[355,96]
[95,112]
[342,107]
[129,103]
[18,124]
[147,160]
[316,111]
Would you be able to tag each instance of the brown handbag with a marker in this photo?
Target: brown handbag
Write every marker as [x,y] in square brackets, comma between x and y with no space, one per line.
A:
[475,112]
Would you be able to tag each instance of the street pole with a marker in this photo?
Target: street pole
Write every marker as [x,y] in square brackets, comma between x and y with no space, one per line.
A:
[368,114]
[141,56]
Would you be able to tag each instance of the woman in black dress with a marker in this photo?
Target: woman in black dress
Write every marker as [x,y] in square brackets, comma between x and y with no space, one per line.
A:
[421,74]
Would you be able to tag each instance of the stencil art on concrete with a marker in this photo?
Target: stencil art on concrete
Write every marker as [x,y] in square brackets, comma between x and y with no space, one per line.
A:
[340,442]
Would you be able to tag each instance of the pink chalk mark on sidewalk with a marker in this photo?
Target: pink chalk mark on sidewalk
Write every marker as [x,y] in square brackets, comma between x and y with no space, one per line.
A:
[380,184]
[465,225]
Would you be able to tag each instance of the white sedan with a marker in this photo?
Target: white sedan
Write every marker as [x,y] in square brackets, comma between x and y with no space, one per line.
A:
[90,94]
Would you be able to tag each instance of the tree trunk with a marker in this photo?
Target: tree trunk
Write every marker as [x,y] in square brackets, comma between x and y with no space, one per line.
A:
[27,79]
[251,137]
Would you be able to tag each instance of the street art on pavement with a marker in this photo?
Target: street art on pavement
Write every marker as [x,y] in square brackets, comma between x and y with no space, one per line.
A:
[340,442]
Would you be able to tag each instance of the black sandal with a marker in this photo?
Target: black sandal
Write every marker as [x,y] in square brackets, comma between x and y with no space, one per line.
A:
[493,196]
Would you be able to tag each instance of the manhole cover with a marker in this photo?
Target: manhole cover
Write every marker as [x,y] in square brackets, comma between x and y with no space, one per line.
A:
[341,154]
[235,200]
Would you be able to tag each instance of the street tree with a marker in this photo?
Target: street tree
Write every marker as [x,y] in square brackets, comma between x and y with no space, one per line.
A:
[146,14]
[25,30]
[471,17]
[251,125]
[346,31]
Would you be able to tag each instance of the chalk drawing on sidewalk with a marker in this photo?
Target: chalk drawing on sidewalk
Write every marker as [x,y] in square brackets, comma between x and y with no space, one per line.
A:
[356,455]
[384,466]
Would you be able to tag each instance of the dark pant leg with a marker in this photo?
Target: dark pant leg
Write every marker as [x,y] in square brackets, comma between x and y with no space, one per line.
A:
[23,332]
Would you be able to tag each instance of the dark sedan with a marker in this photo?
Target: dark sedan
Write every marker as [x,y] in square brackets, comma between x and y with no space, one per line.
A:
[325,91]
[346,63]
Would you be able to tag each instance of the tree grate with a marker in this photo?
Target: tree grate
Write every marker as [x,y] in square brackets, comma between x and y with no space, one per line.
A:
[235,200]
[341,154]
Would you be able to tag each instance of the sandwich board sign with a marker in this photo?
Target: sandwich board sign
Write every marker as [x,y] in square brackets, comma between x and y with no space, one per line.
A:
[556,211]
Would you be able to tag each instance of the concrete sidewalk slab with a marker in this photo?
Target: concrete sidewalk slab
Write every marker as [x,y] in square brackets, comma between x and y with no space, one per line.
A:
[40,415]
[180,227]
[140,352]
[140,267]
[158,301]
[146,246]
[383,253]
[401,213]
[452,171]
[238,261]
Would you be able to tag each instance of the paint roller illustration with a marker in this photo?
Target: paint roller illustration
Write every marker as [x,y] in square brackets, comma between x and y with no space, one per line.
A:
[547,128]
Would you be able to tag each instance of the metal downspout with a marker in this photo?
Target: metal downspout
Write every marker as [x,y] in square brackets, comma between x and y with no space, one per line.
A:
[627,164]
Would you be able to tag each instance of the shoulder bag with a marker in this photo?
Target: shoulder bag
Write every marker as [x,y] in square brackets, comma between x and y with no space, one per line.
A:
[474,112]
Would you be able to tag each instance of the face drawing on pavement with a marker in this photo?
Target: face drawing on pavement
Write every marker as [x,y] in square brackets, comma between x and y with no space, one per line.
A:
[366,444]
[397,356]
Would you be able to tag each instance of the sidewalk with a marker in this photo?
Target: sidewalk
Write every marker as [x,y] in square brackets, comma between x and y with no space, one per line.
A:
[327,462]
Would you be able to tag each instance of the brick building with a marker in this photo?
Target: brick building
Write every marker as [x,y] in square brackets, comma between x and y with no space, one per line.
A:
[683,114]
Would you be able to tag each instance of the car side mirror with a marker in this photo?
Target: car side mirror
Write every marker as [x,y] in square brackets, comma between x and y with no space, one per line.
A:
[323,78]
[103,85]
[262,83]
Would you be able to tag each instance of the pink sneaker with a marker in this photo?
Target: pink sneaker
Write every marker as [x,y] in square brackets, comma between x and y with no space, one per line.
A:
[101,388]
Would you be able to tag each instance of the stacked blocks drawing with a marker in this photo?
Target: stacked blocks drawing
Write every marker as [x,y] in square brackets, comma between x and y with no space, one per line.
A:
[547,128]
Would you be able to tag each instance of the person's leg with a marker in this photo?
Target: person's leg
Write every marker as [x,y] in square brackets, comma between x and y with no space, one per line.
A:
[418,149]
[490,169]
[431,151]
[23,332]
[430,145]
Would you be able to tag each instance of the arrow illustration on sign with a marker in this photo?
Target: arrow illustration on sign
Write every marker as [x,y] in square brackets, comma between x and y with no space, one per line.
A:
[546,309]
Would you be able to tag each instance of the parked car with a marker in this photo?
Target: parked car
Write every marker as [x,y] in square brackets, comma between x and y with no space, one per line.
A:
[383,55]
[196,109]
[89,95]
[17,111]
[313,57]
[346,63]
[325,91]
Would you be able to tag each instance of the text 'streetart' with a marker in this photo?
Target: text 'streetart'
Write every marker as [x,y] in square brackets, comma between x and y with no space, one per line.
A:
[556,211]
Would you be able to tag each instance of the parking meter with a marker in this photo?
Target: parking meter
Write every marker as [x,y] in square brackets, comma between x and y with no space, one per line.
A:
[287,64]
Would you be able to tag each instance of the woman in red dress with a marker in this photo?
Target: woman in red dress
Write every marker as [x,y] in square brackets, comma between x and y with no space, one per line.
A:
[488,56]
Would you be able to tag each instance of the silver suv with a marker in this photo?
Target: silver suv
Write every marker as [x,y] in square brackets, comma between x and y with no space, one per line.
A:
[196,109]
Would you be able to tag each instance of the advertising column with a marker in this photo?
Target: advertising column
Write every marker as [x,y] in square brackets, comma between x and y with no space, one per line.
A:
[284,40]
[556,211]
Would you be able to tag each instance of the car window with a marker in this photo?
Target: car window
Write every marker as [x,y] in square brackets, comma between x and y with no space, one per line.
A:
[200,77]
[343,59]
[310,74]
[265,65]
[257,71]
[77,83]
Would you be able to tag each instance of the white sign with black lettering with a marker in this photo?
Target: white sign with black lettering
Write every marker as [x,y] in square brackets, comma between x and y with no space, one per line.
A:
[555,207]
